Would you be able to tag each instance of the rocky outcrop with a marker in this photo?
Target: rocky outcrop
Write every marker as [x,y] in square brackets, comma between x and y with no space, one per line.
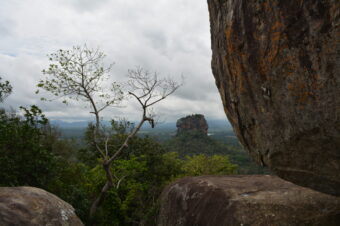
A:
[277,68]
[245,200]
[195,122]
[34,207]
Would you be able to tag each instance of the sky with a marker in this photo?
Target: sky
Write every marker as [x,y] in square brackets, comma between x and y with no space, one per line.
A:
[170,37]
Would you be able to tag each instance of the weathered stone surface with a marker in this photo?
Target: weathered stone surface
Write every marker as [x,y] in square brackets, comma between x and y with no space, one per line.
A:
[277,68]
[195,122]
[245,200]
[31,206]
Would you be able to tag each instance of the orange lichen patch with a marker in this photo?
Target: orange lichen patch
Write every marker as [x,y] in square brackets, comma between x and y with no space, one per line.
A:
[234,61]
[301,91]
[235,70]
[291,87]
[275,37]
[316,84]
[240,86]
[277,26]
[272,50]
[228,32]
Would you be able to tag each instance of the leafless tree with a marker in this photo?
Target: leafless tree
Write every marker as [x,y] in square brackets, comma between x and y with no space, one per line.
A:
[147,89]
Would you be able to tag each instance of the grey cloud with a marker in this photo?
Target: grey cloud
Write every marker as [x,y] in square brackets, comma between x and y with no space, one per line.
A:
[157,40]
[5,28]
[170,37]
[86,5]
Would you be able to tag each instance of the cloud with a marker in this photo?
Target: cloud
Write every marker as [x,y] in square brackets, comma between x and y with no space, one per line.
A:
[86,5]
[169,37]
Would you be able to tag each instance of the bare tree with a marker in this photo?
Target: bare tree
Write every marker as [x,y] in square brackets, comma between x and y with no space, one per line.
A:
[147,89]
[78,74]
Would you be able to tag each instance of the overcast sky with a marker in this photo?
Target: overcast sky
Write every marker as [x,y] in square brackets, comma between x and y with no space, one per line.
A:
[168,36]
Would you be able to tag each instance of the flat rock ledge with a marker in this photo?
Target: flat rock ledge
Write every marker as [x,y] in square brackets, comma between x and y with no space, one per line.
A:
[245,200]
[31,206]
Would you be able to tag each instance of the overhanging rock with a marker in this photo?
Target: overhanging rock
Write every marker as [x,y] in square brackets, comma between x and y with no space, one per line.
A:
[277,68]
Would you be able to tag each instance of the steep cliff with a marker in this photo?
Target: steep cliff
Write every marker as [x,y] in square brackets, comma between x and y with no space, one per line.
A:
[277,65]
[195,122]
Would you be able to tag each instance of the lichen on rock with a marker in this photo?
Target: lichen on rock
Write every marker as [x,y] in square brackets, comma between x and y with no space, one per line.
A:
[277,67]
[255,200]
[31,206]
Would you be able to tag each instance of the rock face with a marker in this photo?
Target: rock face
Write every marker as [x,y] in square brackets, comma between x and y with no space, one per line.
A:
[277,68]
[34,207]
[195,122]
[245,200]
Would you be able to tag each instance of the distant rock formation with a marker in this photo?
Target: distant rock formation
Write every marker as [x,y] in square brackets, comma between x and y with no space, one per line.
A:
[277,68]
[245,200]
[195,122]
[31,206]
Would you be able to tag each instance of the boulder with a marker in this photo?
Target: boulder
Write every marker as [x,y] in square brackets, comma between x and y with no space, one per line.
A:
[31,206]
[277,68]
[245,200]
[195,122]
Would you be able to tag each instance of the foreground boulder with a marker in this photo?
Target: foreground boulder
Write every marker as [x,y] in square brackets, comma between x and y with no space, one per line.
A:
[34,207]
[277,68]
[245,200]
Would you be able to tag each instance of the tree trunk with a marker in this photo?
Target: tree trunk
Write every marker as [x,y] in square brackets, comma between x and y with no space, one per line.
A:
[107,186]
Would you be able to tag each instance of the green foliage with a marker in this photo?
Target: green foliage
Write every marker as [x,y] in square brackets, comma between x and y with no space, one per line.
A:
[23,160]
[32,153]
[140,175]
[34,116]
[189,143]
[122,126]
[193,143]
[238,155]
[5,90]
[69,183]
[172,165]
[208,165]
